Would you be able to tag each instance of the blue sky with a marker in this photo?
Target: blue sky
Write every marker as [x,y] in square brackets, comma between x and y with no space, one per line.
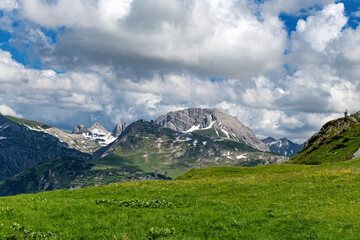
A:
[283,68]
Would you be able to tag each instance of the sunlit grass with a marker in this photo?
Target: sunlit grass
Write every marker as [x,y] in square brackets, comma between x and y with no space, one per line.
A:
[267,202]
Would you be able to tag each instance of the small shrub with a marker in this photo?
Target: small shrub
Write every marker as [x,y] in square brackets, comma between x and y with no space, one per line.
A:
[21,232]
[136,203]
[38,199]
[6,210]
[156,232]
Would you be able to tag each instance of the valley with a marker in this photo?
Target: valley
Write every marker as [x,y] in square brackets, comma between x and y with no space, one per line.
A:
[312,196]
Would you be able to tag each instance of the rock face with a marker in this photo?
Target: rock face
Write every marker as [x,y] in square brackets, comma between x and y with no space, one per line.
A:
[148,146]
[192,119]
[283,146]
[119,128]
[96,133]
[80,129]
[98,128]
[75,141]
[21,148]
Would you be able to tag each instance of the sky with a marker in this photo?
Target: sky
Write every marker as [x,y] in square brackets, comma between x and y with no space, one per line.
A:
[283,68]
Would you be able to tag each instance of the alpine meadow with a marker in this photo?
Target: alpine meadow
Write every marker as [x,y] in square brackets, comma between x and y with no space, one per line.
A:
[179,119]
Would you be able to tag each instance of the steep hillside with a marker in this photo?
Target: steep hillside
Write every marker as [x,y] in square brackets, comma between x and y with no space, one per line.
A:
[283,146]
[267,202]
[222,124]
[150,147]
[337,140]
[71,173]
[75,141]
[21,148]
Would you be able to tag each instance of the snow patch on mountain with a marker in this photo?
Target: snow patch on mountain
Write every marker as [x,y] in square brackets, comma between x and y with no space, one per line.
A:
[225,132]
[100,136]
[243,156]
[193,128]
[283,146]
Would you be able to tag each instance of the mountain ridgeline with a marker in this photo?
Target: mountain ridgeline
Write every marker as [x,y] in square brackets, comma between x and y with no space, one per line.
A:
[143,150]
[338,140]
[283,146]
[222,124]
[21,148]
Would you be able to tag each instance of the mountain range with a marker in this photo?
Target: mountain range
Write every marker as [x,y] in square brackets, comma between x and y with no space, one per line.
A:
[143,150]
[21,148]
[283,146]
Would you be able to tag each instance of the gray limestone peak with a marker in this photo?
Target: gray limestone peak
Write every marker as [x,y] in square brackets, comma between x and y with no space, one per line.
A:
[99,128]
[80,129]
[191,119]
[119,128]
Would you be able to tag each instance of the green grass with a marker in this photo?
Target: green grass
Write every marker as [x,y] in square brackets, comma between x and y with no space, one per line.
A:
[331,145]
[210,132]
[267,202]
[29,123]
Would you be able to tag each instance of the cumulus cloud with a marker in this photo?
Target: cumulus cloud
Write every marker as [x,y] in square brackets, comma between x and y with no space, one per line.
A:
[130,59]
[319,30]
[5,110]
[75,90]
[8,5]
[212,38]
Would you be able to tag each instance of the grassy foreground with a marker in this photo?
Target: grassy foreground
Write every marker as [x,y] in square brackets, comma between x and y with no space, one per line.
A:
[266,202]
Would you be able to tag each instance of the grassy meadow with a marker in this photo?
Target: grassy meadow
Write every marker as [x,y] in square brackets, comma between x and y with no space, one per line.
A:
[267,202]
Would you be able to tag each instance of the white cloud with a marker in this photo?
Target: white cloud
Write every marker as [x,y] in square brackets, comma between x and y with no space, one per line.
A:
[216,38]
[8,5]
[71,90]
[291,7]
[132,59]
[319,30]
[5,110]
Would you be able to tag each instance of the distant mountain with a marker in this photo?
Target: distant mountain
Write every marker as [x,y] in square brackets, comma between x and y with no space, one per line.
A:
[338,140]
[75,141]
[213,120]
[21,148]
[283,146]
[99,134]
[71,173]
[144,150]
[149,147]
[119,128]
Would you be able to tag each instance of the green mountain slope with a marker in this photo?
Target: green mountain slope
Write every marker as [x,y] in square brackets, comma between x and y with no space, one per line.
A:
[144,151]
[149,147]
[337,141]
[74,141]
[29,123]
[71,173]
[267,202]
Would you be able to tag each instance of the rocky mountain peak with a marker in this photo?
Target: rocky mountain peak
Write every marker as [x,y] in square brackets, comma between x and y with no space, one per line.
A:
[119,128]
[192,119]
[268,140]
[80,129]
[283,146]
[98,127]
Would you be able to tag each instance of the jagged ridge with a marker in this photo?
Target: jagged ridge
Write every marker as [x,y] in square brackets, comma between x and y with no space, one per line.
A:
[283,146]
